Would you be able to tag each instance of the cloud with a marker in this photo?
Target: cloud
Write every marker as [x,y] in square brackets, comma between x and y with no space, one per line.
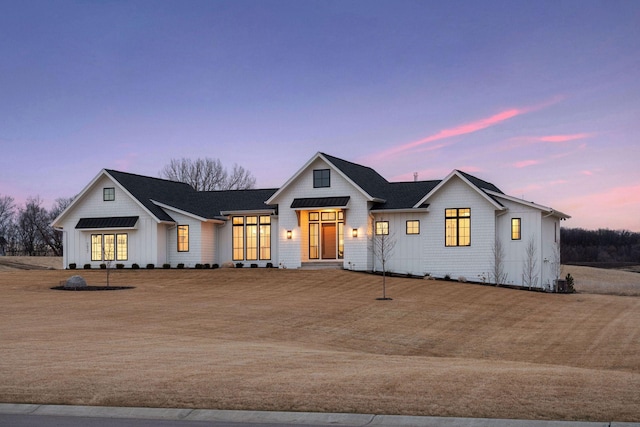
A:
[562,138]
[602,209]
[525,163]
[464,129]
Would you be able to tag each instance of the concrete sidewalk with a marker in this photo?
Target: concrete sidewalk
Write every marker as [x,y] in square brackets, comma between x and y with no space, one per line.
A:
[287,417]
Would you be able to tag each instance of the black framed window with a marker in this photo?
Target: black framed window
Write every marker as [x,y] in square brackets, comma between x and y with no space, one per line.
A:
[321,178]
[458,227]
[413,227]
[382,228]
[516,231]
[183,238]
[108,194]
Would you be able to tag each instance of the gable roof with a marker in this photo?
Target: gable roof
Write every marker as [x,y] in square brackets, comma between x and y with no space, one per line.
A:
[363,176]
[404,195]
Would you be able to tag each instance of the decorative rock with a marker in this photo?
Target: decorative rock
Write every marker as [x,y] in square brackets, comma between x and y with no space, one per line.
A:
[75,282]
[228,264]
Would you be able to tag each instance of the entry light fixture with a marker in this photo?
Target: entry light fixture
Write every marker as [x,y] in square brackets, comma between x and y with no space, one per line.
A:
[289,233]
[354,232]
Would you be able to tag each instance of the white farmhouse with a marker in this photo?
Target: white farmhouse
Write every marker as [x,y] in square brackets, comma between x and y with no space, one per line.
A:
[328,212]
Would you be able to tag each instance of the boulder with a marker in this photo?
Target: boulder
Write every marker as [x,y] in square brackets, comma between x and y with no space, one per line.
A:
[75,282]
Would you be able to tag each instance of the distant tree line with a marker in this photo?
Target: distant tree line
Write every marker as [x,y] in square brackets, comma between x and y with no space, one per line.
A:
[603,247]
[26,230]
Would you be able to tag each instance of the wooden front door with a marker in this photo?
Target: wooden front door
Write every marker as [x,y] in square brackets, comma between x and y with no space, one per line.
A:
[329,241]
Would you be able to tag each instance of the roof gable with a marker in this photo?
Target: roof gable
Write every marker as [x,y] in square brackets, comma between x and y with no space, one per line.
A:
[477,184]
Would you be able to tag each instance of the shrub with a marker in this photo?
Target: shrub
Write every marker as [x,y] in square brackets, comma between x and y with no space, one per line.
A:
[569,280]
[72,266]
[239,265]
[150,266]
[447,277]
[166,266]
[269,265]
[215,266]
[103,266]
[254,265]
[180,266]
[198,266]
[135,266]
[207,266]
[119,266]
[87,266]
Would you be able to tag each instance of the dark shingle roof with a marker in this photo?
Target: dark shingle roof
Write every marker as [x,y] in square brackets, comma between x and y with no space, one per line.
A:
[482,185]
[211,204]
[404,195]
[146,188]
[363,176]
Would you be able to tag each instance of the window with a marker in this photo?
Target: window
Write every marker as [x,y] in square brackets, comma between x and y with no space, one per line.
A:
[183,238]
[413,227]
[382,227]
[515,229]
[251,237]
[108,194]
[238,238]
[109,247]
[321,178]
[458,227]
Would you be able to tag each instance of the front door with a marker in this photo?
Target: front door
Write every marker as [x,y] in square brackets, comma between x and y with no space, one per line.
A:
[328,241]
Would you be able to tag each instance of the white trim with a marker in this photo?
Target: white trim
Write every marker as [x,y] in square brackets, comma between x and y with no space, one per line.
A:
[406,210]
[249,212]
[185,213]
[548,210]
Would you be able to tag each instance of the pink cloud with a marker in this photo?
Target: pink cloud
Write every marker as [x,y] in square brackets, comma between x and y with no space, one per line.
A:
[587,173]
[465,128]
[525,163]
[602,210]
[563,138]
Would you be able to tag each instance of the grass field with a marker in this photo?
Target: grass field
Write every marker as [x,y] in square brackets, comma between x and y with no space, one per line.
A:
[318,341]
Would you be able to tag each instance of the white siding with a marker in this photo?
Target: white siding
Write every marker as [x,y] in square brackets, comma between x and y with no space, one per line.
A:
[471,261]
[408,256]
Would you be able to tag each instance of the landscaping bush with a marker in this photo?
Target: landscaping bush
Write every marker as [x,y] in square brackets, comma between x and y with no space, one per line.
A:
[166,266]
[72,266]
[215,266]
[119,266]
[207,266]
[135,266]
[239,265]
[87,266]
[198,266]
[269,265]
[254,265]
[103,266]
[150,266]
[180,266]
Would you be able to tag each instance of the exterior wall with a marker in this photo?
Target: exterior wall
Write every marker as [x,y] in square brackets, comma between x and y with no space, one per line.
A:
[142,240]
[408,256]
[194,255]
[292,252]
[471,261]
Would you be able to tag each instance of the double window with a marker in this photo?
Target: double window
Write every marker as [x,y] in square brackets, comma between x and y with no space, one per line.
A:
[109,247]
[321,178]
[458,227]
[251,237]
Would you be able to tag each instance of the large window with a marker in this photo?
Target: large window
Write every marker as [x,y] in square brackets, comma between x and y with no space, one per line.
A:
[515,229]
[251,237]
[321,178]
[108,194]
[109,247]
[183,238]
[382,227]
[413,227]
[458,227]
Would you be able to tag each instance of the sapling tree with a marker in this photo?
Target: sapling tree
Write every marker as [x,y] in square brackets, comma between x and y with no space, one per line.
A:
[498,275]
[383,245]
[530,267]
[555,264]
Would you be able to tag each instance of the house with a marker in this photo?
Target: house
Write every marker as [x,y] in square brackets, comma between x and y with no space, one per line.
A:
[329,211]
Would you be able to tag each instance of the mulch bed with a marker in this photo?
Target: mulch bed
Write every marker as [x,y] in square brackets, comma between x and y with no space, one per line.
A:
[91,288]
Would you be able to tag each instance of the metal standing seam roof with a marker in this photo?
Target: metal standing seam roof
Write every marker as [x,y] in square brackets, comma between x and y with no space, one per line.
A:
[108,222]
[320,202]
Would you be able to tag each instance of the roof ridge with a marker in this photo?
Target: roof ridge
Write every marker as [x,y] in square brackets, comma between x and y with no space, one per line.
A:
[146,176]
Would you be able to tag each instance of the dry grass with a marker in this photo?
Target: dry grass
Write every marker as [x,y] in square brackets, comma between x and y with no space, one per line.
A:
[603,281]
[318,341]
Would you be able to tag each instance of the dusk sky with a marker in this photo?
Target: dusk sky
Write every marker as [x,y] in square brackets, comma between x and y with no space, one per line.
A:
[541,98]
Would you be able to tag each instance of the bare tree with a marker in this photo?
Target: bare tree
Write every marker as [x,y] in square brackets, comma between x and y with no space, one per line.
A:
[555,265]
[206,174]
[7,214]
[32,219]
[530,267]
[53,236]
[383,245]
[498,275]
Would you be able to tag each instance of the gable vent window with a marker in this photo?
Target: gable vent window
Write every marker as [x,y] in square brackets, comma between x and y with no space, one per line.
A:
[108,194]
[321,178]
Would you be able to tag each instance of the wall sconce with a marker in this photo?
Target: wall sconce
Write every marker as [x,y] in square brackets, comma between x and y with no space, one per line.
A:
[289,233]
[354,232]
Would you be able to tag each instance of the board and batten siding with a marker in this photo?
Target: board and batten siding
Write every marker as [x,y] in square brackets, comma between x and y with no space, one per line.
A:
[140,239]
[292,252]
[408,255]
[470,262]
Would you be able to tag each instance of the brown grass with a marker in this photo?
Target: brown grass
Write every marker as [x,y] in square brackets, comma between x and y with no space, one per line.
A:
[318,341]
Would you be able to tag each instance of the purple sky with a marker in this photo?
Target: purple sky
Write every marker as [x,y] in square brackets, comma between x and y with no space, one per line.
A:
[541,98]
